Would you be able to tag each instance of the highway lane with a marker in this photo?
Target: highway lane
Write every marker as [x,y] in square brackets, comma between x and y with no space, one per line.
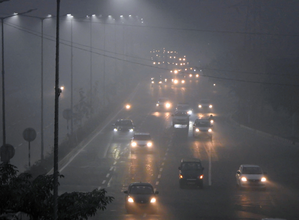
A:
[108,163]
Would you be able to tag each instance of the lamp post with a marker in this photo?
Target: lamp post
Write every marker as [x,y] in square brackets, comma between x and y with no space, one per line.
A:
[3,70]
[42,81]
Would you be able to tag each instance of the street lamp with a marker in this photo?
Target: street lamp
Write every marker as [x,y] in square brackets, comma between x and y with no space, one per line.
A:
[3,71]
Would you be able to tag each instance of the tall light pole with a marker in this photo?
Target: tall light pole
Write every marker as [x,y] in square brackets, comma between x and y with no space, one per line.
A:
[90,46]
[3,71]
[56,116]
[72,74]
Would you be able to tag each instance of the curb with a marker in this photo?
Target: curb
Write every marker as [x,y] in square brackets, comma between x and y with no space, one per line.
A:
[272,136]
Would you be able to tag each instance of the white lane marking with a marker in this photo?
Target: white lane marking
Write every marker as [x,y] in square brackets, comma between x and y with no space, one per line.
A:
[104,181]
[108,123]
[114,162]
[162,164]
[161,169]
[157,183]
[109,182]
[108,174]
[159,176]
[111,168]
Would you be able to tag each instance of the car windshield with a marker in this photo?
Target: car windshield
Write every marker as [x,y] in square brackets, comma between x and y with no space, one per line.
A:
[191,166]
[203,123]
[123,123]
[252,170]
[162,100]
[205,101]
[180,114]
[182,107]
[137,189]
[142,137]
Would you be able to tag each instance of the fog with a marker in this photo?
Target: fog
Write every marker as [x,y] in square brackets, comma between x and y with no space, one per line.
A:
[109,52]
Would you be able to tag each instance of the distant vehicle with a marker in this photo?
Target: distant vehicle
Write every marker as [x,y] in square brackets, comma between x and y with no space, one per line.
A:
[205,104]
[123,125]
[180,117]
[142,141]
[157,81]
[163,104]
[202,128]
[141,197]
[127,106]
[184,107]
[191,172]
[179,80]
[251,176]
[211,118]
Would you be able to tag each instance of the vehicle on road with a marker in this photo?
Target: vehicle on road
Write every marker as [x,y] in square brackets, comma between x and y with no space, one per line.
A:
[163,103]
[202,128]
[141,141]
[123,125]
[181,118]
[205,104]
[179,80]
[191,172]
[251,176]
[184,107]
[141,197]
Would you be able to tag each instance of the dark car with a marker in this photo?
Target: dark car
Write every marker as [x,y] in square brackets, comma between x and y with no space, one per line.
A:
[141,197]
[123,125]
[202,128]
[191,173]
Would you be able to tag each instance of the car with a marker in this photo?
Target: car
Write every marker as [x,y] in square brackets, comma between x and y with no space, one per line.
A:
[251,176]
[123,125]
[202,128]
[141,141]
[180,117]
[184,107]
[191,172]
[179,80]
[156,81]
[141,197]
[205,104]
[163,103]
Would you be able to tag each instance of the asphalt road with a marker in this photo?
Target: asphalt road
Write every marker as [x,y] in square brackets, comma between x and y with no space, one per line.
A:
[105,161]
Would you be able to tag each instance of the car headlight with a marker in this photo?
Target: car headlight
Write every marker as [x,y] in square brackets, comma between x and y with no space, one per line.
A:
[263,179]
[130,199]
[167,105]
[115,129]
[212,121]
[153,82]
[243,179]
[189,112]
[153,200]
[197,75]
[199,106]
[175,81]
[183,81]
[210,130]
[210,106]
[160,82]
[157,104]
[190,75]
[181,176]
[196,130]
[133,144]
[149,144]
[131,130]
[200,177]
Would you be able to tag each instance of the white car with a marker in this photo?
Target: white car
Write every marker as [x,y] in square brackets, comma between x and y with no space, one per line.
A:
[205,104]
[141,141]
[184,107]
[250,175]
[202,128]
[180,117]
